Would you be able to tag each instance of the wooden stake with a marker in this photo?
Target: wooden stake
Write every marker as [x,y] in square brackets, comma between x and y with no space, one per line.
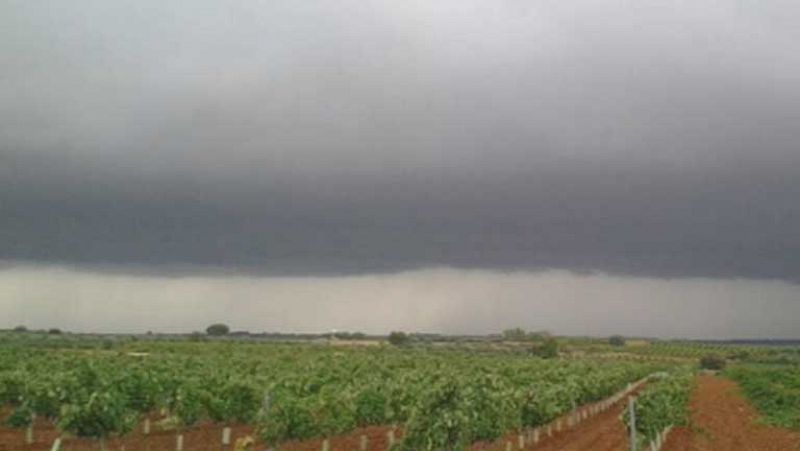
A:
[632,425]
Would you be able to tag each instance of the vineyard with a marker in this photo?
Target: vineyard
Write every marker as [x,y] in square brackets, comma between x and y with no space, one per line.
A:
[435,399]
[661,406]
[774,391]
[691,350]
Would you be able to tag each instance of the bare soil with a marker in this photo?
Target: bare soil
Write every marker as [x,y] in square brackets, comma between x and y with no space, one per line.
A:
[603,432]
[204,437]
[723,420]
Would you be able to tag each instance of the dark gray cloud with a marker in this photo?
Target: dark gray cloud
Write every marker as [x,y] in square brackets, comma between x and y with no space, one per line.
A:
[350,136]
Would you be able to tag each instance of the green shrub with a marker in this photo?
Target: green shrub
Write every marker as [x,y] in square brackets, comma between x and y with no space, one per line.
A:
[663,403]
[218,329]
[546,349]
[712,362]
[616,340]
[399,338]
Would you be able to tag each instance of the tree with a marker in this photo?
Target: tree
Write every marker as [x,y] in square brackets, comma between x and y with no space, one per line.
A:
[616,340]
[20,328]
[398,338]
[54,331]
[218,329]
[547,349]
[515,334]
[712,362]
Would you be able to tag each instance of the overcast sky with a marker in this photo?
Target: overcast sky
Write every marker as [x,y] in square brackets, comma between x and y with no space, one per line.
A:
[372,144]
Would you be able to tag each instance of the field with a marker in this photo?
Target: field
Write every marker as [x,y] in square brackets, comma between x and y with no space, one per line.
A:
[101,393]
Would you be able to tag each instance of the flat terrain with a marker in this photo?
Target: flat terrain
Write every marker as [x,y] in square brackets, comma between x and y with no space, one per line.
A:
[604,432]
[205,437]
[723,420]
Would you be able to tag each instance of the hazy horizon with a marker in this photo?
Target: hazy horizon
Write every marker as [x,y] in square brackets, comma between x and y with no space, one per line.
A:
[442,300]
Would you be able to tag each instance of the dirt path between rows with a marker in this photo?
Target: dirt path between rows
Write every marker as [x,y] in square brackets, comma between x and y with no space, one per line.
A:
[723,420]
[603,432]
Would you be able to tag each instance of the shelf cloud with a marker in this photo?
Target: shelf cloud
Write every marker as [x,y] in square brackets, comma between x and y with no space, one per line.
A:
[320,138]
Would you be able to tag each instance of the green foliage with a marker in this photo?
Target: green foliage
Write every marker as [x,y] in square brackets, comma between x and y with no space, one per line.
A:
[140,388]
[185,402]
[443,398]
[774,390]
[235,402]
[100,415]
[712,362]
[440,422]
[217,329]
[663,403]
[372,405]
[349,335]
[515,334]
[288,418]
[546,349]
[398,338]
[44,397]
[616,340]
[458,411]
[12,387]
[20,417]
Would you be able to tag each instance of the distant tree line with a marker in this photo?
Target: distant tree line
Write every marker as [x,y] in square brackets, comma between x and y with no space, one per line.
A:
[519,334]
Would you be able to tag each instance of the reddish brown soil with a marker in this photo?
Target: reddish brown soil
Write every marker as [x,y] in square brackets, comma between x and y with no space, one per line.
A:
[206,437]
[723,420]
[604,432]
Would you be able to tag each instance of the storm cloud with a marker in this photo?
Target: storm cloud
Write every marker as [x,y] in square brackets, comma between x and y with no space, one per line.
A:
[351,137]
